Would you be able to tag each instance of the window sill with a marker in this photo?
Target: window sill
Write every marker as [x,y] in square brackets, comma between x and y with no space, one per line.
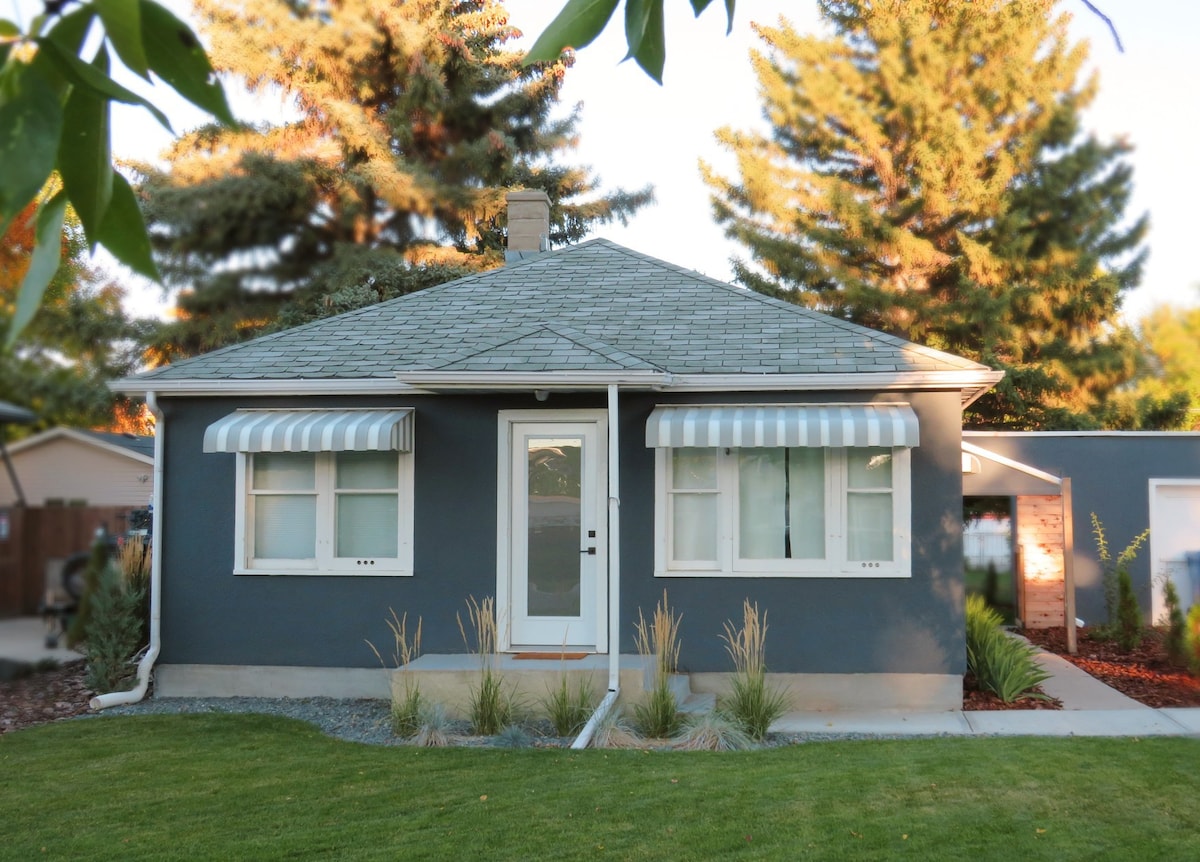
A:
[872,574]
[326,573]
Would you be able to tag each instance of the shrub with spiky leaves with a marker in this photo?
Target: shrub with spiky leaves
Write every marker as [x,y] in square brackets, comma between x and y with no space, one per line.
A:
[1000,663]
[751,702]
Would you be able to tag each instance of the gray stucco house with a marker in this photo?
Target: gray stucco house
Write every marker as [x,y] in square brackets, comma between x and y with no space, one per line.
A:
[572,434]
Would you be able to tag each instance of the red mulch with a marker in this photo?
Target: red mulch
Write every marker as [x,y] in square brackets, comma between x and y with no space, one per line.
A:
[43,696]
[976,700]
[1143,674]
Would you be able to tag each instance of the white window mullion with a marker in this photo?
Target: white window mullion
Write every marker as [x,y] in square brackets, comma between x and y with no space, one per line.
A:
[325,509]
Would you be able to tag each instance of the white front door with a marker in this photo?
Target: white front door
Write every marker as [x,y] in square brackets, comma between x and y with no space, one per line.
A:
[552,542]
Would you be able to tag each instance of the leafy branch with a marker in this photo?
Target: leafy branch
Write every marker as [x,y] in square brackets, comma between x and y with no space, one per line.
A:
[55,108]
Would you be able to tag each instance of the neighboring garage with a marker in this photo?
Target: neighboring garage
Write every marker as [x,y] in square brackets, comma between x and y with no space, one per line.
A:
[1130,480]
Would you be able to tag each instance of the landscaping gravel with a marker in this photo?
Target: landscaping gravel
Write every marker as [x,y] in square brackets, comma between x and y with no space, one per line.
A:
[365,721]
[369,721]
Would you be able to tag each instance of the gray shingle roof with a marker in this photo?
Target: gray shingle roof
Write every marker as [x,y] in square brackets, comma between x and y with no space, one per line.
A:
[596,306]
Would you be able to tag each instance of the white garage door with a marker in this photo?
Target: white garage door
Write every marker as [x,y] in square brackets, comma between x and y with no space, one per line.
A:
[1174,532]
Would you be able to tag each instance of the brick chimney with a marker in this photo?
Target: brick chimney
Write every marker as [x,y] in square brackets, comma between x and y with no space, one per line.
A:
[528,224]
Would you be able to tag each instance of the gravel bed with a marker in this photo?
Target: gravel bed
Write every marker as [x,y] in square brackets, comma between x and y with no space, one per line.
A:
[369,721]
[365,721]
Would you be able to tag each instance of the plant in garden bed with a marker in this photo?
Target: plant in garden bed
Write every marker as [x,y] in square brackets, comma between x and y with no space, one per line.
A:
[406,707]
[752,704]
[569,706]
[658,715]
[491,708]
[115,625]
[1000,663]
[1120,603]
[1175,640]
[1193,639]
[713,731]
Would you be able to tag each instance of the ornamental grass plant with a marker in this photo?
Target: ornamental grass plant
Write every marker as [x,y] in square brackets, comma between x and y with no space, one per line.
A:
[752,704]
[407,705]
[658,715]
[491,708]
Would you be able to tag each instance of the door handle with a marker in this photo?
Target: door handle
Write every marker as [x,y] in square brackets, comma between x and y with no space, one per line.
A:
[591,552]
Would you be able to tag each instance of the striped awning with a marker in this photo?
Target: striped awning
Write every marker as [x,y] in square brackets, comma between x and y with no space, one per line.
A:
[311,431]
[783,425]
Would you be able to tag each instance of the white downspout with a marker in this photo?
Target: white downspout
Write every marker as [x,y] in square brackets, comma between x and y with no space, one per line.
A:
[614,576]
[119,698]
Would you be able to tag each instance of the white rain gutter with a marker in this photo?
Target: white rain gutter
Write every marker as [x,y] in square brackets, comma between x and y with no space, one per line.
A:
[119,698]
[614,575]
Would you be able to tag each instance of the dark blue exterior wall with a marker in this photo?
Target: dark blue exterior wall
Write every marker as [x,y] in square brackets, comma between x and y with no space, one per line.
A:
[1110,475]
[833,625]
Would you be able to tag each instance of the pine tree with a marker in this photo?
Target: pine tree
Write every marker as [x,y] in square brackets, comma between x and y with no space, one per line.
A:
[924,175]
[411,120]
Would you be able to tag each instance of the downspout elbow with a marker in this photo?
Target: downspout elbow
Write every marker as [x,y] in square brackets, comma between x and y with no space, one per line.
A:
[146,665]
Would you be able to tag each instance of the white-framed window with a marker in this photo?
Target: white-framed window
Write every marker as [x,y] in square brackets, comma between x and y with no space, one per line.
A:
[324,513]
[783,511]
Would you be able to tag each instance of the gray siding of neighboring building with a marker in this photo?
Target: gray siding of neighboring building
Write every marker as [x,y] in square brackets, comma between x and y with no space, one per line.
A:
[1110,475]
[832,625]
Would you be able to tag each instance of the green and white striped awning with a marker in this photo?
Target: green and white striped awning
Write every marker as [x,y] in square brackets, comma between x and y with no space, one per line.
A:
[832,425]
[311,431]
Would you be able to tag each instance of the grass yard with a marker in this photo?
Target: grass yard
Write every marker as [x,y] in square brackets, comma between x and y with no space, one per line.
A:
[252,787]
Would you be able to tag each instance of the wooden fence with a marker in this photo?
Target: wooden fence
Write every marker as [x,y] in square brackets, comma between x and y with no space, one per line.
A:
[33,536]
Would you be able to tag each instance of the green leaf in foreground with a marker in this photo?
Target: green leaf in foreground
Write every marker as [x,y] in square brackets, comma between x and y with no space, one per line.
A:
[577,25]
[30,125]
[645,32]
[123,232]
[83,74]
[85,153]
[176,56]
[123,24]
[42,264]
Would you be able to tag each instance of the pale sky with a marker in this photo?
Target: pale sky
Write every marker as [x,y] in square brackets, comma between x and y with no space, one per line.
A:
[633,132]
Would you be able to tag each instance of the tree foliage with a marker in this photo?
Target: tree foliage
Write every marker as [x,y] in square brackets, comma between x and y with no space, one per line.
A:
[925,175]
[79,339]
[1170,335]
[409,122]
[55,96]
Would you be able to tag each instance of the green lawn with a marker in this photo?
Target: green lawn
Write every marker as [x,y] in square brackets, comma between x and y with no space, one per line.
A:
[251,787]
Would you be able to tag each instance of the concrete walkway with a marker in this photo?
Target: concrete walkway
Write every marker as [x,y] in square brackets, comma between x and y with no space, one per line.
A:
[1090,708]
[23,643]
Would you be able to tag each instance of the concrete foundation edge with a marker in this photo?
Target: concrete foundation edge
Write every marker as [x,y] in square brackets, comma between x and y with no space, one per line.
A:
[449,685]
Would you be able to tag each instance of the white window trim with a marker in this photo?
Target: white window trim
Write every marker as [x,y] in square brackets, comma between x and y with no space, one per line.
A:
[325,563]
[727,566]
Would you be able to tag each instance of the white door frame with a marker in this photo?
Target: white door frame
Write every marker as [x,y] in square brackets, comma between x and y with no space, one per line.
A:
[508,420]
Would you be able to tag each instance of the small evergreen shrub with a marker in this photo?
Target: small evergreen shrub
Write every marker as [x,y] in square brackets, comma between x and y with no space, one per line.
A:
[1129,613]
[1000,663]
[1193,639]
[1176,640]
[98,562]
[113,633]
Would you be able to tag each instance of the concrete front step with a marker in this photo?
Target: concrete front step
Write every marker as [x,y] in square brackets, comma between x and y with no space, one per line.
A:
[698,703]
